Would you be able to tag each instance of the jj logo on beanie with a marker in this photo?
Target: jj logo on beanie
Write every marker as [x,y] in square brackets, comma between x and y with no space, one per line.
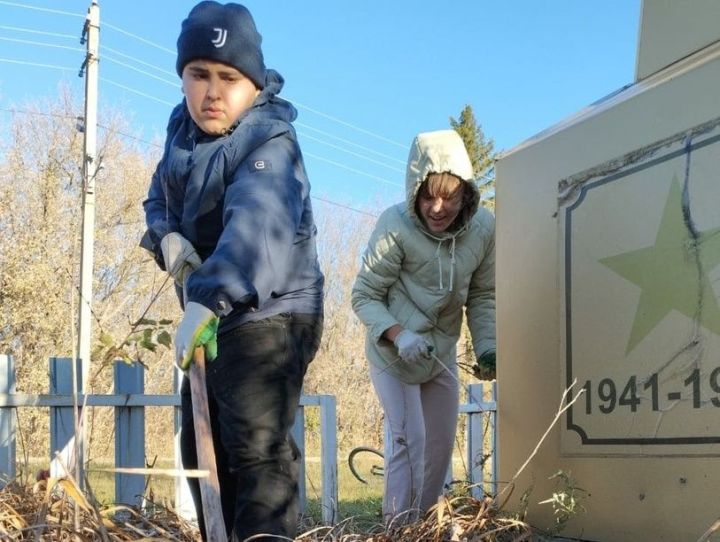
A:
[219,40]
[224,33]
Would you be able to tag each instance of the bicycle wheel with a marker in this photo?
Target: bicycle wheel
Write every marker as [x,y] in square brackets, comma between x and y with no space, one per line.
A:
[370,454]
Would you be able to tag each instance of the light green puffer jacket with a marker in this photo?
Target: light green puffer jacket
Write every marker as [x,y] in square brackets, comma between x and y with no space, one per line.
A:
[422,281]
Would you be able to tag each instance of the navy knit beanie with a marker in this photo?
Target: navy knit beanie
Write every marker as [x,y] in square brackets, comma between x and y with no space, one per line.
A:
[224,33]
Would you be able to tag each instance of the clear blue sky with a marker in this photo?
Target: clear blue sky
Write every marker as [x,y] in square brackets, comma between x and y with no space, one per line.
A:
[365,76]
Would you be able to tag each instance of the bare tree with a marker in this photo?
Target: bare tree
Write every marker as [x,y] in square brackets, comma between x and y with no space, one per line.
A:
[340,367]
[40,210]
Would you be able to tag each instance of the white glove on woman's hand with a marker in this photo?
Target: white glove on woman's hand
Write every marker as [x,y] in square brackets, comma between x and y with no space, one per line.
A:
[180,256]
[411,346]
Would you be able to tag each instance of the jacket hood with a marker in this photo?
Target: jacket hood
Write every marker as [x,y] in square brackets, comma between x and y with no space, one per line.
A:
[442,151]
[278,107]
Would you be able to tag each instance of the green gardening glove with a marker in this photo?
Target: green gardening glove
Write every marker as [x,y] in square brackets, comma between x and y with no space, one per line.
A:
[484,368]
[198,328]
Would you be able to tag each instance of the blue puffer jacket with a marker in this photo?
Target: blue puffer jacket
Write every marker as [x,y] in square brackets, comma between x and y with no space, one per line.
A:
[243,201]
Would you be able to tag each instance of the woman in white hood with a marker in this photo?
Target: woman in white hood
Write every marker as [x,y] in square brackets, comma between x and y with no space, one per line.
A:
[427,259]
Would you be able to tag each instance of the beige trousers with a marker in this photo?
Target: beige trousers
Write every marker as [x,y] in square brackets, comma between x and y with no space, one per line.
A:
[420,422]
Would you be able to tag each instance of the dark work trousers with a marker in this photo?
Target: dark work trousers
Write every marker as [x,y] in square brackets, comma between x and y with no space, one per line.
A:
[254,389]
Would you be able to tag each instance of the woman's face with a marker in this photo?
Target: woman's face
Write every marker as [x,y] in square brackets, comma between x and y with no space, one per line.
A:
[437,212]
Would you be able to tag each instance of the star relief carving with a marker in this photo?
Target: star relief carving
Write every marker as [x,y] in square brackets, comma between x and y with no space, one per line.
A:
[672,274]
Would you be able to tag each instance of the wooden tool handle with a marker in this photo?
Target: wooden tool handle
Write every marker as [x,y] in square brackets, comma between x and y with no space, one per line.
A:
[209,487]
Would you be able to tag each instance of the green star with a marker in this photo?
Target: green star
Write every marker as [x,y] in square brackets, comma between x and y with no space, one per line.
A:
[673,273]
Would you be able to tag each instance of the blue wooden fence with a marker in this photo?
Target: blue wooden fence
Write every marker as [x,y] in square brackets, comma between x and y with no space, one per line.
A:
[130,401]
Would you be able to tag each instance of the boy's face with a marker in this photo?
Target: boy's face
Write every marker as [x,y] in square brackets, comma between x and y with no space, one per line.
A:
[216,94]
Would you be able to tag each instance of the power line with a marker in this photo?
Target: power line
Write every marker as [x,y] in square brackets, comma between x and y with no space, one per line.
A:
[41,32]
[139,38]
[129,136]
[134,59]
[337,138]
[38,113]
[129,67]
[349,208]
[351,152]
[139,93]
[36,8]
[76,117]
[349,125]
[37,64]
[43,44]
[104,57]
[359,172]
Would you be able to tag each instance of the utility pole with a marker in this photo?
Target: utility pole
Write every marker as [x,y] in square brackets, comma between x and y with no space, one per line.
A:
[73,453]
[91,35]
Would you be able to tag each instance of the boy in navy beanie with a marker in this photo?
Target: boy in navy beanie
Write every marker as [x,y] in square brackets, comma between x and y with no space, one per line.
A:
[224,33]
[229,217]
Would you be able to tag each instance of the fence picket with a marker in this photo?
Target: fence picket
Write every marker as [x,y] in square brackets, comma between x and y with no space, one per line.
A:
[7,421]
[328,443]
[183,498]
[62,424]
[129,434]
[476,408]
[298,435]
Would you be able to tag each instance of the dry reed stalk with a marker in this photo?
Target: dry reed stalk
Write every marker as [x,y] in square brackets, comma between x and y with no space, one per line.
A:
[452,520]
[560,411]
[49,511]
[715,527]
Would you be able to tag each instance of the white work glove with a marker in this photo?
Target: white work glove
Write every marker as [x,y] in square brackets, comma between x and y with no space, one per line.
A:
[180,256]
[198,328]
[412,348]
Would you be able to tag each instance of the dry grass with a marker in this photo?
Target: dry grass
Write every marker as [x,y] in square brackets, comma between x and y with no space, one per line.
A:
[57,510]
[461,519]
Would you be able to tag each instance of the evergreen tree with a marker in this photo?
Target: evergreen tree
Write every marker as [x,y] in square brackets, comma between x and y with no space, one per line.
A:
[480,149]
